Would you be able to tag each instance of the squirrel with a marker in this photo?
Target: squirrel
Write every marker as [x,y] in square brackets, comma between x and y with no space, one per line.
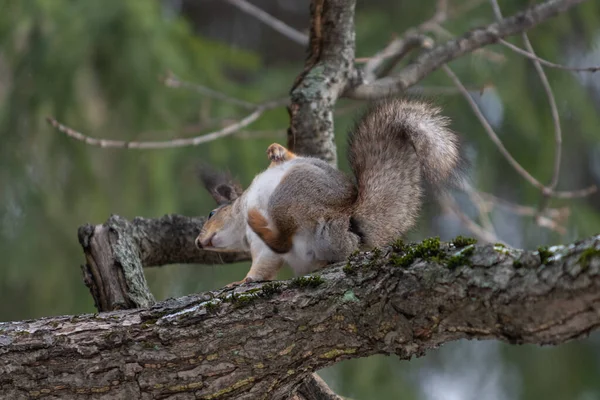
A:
[304,212]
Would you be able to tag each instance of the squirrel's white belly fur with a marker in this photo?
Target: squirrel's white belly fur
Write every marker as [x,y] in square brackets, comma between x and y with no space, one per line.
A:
[301,257]
[263,186]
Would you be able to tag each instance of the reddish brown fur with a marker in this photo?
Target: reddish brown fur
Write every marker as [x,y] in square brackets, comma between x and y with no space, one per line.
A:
[280,241]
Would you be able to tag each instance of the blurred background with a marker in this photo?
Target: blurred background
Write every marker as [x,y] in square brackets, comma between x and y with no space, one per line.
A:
[97,65]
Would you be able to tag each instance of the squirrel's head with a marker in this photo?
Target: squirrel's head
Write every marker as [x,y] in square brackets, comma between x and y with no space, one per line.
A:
[224,229]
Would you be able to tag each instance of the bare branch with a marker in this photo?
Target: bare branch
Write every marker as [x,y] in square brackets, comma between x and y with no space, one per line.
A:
[547,63]
[441,14]
[470,41]
[490,131]
[449,204]
[271,21]
[483,207]
[168,144]
[511,160]
[551,100]
[574,194]
[519,209]
[464,8]
[383,62]
[173,82]
[555,117]
[487,53]
[550,218]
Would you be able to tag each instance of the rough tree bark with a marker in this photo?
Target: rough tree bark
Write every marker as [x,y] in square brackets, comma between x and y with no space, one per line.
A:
[261,341]
[265,340]
[328,69]
[117,251]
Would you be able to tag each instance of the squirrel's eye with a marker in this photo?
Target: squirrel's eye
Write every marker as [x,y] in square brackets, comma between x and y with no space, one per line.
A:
[211,214]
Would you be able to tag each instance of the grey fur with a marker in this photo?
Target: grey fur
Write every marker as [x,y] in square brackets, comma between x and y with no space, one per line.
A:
[316,214]
[393,148]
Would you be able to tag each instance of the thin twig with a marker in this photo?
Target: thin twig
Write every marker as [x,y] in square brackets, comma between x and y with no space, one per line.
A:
[553,109]
[442,90]
[551,100]
[104,143]
[271,21]
[429,61]
[552,218]
[522,171]
[383,62]
[491,55]
[547,63]
[173,82]
[440,16]
[490,131]
[449,204]
[574,194]
[482,207]
[464,8]
[527,211]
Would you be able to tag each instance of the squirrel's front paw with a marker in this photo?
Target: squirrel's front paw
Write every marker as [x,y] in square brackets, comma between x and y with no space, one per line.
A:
[238,283]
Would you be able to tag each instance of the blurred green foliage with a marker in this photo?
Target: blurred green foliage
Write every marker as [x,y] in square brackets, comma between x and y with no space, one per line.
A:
[97,66]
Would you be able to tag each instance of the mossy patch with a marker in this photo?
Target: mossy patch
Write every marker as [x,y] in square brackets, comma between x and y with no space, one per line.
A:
[429,249]
[243,299]
[544,253]
[311,281]
[586,257]
[212,306]
[461,258]
[246,298]
[461,241]
[517,264]
[399,245]
[271,288]
[348,269]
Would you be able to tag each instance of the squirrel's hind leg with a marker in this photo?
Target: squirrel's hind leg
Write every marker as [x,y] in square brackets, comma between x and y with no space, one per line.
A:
[279,240]
[278,154]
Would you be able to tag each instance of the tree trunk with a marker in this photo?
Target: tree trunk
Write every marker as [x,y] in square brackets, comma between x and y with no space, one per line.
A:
[328,70]
[263,340]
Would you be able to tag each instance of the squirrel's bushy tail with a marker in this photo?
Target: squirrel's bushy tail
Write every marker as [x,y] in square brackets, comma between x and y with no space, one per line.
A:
[394,147]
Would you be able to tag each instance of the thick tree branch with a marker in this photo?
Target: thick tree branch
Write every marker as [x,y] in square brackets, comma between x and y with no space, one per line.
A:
[262,340]
[470,41]
[117,251]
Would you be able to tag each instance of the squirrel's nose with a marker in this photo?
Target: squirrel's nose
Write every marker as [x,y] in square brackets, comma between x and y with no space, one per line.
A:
[198,242]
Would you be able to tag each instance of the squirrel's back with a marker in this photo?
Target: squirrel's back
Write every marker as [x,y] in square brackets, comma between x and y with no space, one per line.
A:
[394,147]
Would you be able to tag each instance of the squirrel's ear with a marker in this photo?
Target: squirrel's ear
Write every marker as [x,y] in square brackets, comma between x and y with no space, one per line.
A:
[221,186]
[226,193]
